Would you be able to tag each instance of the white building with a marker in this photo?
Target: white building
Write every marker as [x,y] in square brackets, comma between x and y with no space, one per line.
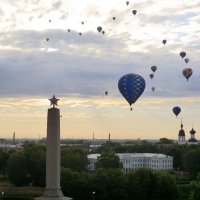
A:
[132,161]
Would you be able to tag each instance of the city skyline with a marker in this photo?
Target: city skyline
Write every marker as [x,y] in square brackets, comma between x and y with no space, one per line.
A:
[78,69]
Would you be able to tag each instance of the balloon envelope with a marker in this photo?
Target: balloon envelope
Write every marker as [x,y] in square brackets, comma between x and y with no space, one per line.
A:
[186,60]
[164,42]
[99,28]
[134,12]
[106,93]
[187,72]
[182,54]
[153,89]
[176,110]
[151,76]
[127,2]
[131,87]
[153,68]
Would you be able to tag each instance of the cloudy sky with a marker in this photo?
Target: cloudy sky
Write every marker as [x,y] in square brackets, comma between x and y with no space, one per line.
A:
[78,69]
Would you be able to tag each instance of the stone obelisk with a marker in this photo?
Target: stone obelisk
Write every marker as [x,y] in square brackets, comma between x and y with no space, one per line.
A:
[53,189]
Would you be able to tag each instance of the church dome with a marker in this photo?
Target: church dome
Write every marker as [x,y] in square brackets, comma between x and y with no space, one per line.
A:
[181,133]
[192,131]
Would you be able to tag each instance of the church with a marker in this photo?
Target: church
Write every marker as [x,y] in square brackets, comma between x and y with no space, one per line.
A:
[181,136]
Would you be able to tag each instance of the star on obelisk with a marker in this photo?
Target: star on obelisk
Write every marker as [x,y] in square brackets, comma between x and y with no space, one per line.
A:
[54,101]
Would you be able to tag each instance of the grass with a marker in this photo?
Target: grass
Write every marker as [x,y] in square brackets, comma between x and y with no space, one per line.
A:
[19,193]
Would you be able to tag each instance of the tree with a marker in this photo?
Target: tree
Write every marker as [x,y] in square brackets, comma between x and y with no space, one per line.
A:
[16,169]
[165,186]
[195,191]
[109,184]
[4,156]
[75,184]
[191,162]
[28,165]
[108,159]
[35,163]
[166,141]
[141,184]
[74,159]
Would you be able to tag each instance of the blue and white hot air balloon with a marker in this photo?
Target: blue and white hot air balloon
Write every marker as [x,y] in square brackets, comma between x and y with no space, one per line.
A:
[131,87]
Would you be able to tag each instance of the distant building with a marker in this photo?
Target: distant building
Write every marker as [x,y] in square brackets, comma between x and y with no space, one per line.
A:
[192,139]
[181,135]
[132,161]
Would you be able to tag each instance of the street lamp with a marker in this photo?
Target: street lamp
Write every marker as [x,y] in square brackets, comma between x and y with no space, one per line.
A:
[2,193]
[93,194]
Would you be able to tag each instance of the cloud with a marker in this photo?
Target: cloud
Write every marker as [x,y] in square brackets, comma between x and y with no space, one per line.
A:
[92,63]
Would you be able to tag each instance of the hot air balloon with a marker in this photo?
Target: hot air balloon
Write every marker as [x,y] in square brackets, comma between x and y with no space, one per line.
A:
[47,39]
[186,60]
[103,32]
[99,28]
[127,3]
[176,110]
[49,20]
[82,23]
[153,89]
[153,68]
[182,54]
[106,93]
[131,86]
[187,72]
[151,76]
[80,33]
[114,18]
[68,30]
[164,41]
[134,12]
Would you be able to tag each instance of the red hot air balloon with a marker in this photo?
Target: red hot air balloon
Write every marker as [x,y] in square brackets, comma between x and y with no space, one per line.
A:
[187,72]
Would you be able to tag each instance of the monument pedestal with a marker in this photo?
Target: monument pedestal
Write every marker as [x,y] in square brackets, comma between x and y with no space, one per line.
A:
[53,190]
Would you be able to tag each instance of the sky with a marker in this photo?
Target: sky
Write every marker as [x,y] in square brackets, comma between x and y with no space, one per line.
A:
[78,69]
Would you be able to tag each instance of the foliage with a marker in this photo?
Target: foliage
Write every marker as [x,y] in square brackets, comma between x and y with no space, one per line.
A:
[4,156]
[109,184]
[141,184]
[195,191]
[27,166]
[166,141]
[165,186]
[74,159]
[17,169]
[191,161]
[108,160]
[76,185]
